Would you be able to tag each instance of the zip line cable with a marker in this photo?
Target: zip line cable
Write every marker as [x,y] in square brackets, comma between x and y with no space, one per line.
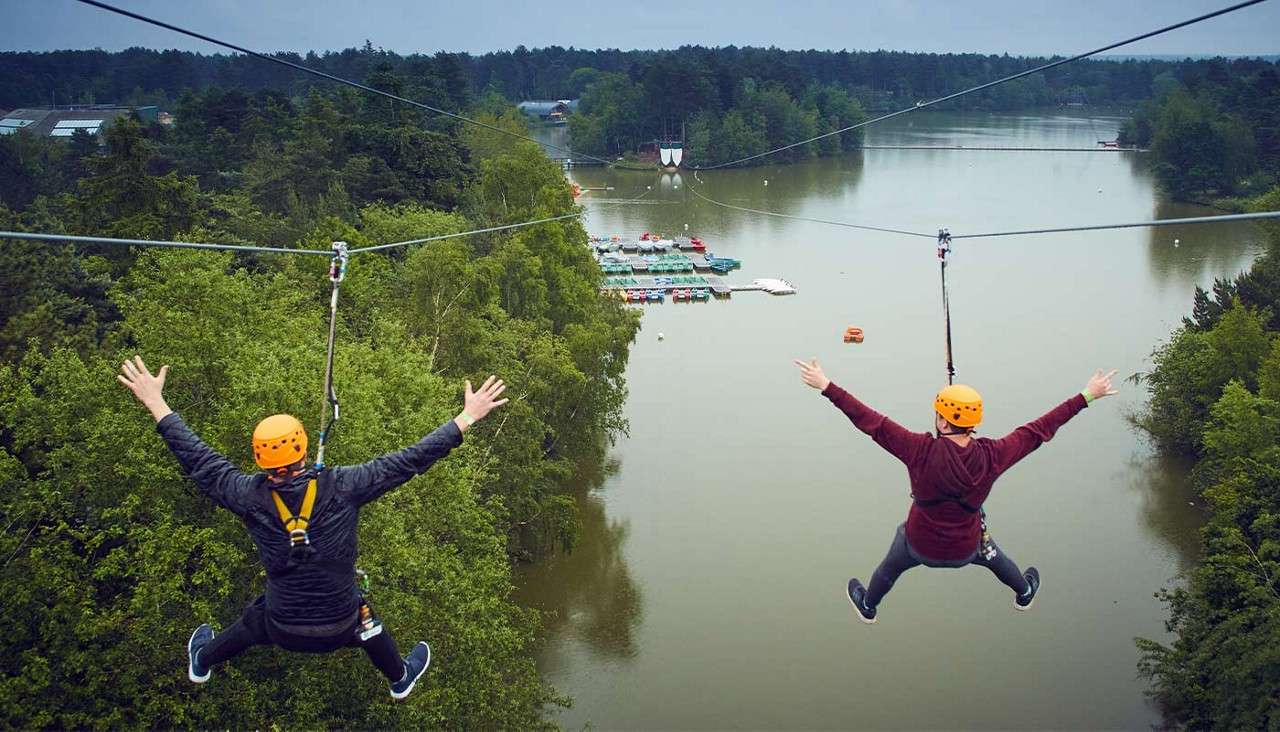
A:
[988,85]
[331,77]
[439,237]
[1137,224]
[980,87]
[845,224]
[19,235]
[154,243]
[578,214]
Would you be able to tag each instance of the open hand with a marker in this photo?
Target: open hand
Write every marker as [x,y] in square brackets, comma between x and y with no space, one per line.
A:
[811,373]
[1100,385]
[147,388]
[479,403]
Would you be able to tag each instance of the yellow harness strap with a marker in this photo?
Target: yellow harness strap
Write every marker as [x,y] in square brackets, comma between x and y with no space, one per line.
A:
[297,525]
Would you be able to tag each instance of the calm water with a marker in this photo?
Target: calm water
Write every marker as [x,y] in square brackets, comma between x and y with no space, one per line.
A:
[708,588]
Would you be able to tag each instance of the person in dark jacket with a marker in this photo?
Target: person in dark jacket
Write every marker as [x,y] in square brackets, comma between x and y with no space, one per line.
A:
[951,474]
[303,523]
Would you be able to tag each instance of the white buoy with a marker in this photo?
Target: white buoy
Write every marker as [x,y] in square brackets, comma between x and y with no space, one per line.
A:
[648,188]
[1176,242]
[766,181]
[660,336]
[686,227]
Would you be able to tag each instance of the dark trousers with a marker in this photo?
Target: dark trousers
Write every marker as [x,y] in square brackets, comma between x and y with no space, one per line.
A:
[255,629]
[901,558]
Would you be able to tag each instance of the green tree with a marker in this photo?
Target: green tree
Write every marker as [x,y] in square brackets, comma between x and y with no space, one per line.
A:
[124,199]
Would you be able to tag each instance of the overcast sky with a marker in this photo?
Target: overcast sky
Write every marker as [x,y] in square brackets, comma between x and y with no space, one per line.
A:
[1019,27]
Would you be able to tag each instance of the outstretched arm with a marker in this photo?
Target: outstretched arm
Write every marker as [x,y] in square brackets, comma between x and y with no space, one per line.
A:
[213,474]
[899,441]
[366,482]
[1022,441]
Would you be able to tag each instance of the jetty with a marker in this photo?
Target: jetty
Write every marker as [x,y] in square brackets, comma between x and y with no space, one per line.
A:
[647,270]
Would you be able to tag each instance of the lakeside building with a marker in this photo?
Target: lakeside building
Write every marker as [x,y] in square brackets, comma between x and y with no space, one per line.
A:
[64,121]
[554,112]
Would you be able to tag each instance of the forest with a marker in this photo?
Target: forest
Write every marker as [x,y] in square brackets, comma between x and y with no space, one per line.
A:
[726,102]
[1214,399]
[111,557]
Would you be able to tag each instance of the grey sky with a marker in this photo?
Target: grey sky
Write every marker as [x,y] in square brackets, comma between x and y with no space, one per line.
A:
[1019,27]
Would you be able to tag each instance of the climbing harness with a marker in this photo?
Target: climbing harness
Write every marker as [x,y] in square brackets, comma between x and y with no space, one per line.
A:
[368,625]
[296,524]
[987,547]
[337,271]
[944,249]
[930,502]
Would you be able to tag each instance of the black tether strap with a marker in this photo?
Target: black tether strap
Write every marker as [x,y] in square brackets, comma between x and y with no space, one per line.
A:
[944,248]
[329,413]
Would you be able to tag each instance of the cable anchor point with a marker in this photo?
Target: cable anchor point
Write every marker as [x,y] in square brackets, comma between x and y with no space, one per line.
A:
[338,266]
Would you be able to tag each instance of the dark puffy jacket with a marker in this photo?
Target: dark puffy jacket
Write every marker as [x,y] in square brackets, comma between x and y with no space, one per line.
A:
[322,590]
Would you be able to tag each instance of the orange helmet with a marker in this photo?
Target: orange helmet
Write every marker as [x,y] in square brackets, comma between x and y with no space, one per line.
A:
[279,440]
[960,405]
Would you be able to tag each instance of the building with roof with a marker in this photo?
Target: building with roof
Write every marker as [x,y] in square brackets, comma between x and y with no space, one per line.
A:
[554,112]
[63,122]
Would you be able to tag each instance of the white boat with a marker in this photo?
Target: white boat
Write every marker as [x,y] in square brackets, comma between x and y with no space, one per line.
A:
[662,245]
[775,286]
[665,154]
[677,154]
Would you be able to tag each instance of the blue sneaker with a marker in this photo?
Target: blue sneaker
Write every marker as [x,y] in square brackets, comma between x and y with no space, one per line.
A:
[415,665]
[857,595]
[200,638]
[1023,602]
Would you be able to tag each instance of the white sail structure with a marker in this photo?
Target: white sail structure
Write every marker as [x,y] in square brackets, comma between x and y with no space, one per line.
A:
[677,154]
[665,153]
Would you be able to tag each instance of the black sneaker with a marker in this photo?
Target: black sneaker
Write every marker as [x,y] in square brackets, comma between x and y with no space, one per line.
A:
[857,595]
[1023,602]
[415,665]
[200,638]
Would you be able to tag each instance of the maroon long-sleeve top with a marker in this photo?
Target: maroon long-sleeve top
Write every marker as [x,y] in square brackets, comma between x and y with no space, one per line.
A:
[948,480]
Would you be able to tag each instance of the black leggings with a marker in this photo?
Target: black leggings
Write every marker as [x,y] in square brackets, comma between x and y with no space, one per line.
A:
[253,629]
[901,558]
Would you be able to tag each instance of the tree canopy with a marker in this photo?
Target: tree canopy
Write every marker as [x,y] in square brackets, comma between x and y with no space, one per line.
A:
[111,557]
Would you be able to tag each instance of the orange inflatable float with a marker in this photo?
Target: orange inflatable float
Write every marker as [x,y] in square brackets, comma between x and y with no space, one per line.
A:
[852,335]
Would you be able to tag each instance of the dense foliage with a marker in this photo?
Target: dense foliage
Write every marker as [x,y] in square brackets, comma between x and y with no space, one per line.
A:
[110,557]
[878,78]
[730,102]
[675,99]
[1215,133]
[1215,395]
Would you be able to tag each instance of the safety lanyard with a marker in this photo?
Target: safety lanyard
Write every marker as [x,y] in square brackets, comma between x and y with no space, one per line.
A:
[329,416]
[297,525]
[944,249]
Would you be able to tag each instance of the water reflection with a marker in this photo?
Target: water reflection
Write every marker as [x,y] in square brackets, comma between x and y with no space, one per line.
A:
[1170,509]
[1183,254]
[588,595]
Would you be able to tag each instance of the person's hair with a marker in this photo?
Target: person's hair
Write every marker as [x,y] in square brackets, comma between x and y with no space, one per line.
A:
[948,423]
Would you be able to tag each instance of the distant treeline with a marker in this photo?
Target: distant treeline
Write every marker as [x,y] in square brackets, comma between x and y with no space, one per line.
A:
[874,77]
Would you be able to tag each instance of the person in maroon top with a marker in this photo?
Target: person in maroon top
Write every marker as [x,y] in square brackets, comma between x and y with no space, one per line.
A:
[951,474]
